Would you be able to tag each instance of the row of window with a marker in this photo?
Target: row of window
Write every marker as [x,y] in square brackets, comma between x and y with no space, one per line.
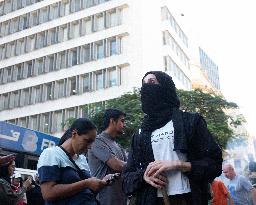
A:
[210,67]
[67,58]
[53,122]
[176,72]
[75,85]
[61,33]
[169,40]
[166,15]
[50,12]
[8,6]
[45,14]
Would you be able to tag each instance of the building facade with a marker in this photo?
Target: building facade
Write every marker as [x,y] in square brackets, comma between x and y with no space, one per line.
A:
[210,68]
[60,58]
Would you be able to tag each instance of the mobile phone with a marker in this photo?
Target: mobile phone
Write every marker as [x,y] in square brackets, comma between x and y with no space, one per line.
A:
[112,178]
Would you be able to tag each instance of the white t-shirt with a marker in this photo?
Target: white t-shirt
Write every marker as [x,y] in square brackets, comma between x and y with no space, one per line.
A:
[162,141]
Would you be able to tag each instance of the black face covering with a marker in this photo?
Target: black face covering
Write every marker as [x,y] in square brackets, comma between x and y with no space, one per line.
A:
[161,104]
[153,99]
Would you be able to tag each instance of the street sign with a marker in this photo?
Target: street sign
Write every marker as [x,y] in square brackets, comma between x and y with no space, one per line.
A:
[24,140]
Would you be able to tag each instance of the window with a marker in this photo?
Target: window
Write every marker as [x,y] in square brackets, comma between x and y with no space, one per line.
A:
[88,3]
[48,91]
[77,5]
[10,49]
[73,57]
[57,121]
[29,66]
[112,77]
[99,50]
[22,122]
[86,82]
[113,46]
[113,18]
[12,121]
[33,19]
[2,52]
[6,100]
[62,57]
[13,25]
[87,23]
[30,45]
[40,40]
[85,54]
[70,113]
[52,36]
[1,75]
[16,98]
[99,22]
[54,11]
[73,88]
[45,123]
[23,24]
[9,74]
[50,63]
[25,98]
[1,8]
[38,94]
[99,80]
[63,33]
[7,6]
[33,122]
[43,15]
[39,65]
[60,88]
[19,72]
[74,30]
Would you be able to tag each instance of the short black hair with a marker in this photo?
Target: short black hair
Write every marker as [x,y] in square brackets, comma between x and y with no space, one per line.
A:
[111,113]
[81,125]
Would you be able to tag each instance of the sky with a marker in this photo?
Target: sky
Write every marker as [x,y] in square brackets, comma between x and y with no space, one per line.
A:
[226,31]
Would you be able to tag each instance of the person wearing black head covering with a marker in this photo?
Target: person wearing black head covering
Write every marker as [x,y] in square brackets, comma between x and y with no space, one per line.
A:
[173,150]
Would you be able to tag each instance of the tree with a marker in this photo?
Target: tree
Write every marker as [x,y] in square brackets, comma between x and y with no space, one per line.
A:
[211,106]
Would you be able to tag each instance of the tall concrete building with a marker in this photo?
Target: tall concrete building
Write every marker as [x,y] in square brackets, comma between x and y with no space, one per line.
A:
[210,68]
[59,58]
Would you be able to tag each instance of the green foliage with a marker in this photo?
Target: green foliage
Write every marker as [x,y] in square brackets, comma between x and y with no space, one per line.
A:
[209,105]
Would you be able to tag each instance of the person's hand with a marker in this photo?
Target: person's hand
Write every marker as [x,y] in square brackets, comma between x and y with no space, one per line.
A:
[6,159]
[95,184]
[158,181]
[110,178]
[28,183]
[160,166]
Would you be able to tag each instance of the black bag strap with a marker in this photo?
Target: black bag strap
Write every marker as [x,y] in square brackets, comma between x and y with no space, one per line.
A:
[79,171]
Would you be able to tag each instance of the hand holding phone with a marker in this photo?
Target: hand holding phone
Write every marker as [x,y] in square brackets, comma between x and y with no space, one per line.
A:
[110,178]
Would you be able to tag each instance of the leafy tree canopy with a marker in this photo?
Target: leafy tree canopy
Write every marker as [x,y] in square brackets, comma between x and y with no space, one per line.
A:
[211,106]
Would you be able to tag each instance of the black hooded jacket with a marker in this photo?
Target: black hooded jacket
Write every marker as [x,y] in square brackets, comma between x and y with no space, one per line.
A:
[196,141]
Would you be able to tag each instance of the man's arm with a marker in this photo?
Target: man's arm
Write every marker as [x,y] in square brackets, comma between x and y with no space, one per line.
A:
[52,191]
[116,164]
[104,153]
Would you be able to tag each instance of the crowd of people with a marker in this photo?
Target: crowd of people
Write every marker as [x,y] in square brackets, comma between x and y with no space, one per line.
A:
[173,160]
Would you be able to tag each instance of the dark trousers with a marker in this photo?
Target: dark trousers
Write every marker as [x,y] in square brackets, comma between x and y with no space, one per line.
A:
[179,199]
